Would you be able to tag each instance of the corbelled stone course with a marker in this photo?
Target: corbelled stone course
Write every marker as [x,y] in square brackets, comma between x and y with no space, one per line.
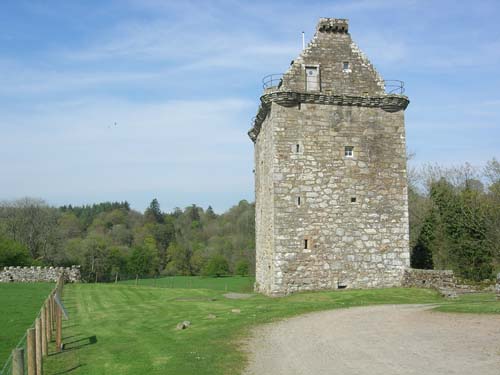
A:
[389,103]
[37,274]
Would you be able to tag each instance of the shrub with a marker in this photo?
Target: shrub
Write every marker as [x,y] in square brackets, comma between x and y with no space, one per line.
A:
[13,253]
[216,266]
[242,268]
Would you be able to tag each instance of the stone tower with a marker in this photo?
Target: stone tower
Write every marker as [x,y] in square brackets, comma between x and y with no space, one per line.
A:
[330,172]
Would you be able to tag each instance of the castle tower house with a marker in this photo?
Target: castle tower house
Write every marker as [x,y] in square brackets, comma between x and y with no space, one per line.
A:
[330,172]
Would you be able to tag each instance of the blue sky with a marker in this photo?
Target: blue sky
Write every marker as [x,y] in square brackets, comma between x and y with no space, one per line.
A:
[181,80]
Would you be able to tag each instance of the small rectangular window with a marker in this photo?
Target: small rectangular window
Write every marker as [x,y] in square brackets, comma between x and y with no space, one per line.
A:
[353,199]
[345,67]
[306,244]
[349,151]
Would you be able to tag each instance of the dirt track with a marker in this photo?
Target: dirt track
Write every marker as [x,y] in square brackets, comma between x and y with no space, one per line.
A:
[391,339]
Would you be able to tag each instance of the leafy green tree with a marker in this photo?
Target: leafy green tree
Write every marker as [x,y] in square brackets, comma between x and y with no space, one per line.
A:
[153,213]
[242,268]
[180,259]
[210,214]
[144,259]
[13,253]
[216,266]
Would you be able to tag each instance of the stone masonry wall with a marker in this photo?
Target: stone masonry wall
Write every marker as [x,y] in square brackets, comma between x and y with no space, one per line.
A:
[351,244]
[437,279]
[329,51]
[37,274]
[264,211]
[351,210]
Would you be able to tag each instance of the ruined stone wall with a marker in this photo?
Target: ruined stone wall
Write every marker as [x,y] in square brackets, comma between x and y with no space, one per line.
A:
[38,274]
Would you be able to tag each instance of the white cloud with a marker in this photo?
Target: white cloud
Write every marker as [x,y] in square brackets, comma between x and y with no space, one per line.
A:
[173,145]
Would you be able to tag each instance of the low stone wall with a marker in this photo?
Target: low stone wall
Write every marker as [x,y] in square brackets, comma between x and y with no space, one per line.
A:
[437,279]
[445,282]
[36,274]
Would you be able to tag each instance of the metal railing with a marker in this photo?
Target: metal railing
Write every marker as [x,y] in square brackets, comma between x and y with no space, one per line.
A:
[394,86]
[272,80]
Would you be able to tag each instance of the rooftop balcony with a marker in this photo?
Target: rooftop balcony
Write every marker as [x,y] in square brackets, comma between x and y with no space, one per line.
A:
[273,82]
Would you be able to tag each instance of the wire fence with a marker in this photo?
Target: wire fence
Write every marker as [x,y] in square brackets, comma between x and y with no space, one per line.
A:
[7,367]
[27,356]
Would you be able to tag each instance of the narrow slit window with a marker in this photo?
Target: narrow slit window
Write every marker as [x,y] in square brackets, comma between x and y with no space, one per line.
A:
[298,201]
[306,244]
[349,151]
[297,148]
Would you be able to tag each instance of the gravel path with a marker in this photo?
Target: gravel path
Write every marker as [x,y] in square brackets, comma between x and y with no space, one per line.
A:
[390,339]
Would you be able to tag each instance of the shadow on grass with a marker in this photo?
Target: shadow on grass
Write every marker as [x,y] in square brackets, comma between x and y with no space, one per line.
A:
[80,343]
[68,371]
[76,344]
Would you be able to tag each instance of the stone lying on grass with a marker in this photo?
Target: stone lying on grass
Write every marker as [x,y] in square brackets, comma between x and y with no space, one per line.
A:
[236,311]
[183,325]
[448,293]
[211,316]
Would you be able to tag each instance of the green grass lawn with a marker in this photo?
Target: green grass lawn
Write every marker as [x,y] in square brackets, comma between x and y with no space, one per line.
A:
[19,306]
[483,303]
[232,284]
[124,329]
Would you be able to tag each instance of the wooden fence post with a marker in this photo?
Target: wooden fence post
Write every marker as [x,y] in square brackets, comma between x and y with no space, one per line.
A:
[43,316]
[47,326]
[38,345]
[58,329]
[18,361]
[31,351]
[53,311]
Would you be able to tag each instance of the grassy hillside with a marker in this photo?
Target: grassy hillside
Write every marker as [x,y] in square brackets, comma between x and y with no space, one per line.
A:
[19,306]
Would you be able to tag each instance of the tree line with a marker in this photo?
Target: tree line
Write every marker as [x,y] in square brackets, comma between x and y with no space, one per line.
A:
[110,239]
[454,224]
[455,219]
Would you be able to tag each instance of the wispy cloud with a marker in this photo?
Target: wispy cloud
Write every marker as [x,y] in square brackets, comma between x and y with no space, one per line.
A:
[182,79]
[129,146]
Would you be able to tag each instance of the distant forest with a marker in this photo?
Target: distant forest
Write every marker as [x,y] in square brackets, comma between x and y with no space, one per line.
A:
[110,239]
[454,224]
